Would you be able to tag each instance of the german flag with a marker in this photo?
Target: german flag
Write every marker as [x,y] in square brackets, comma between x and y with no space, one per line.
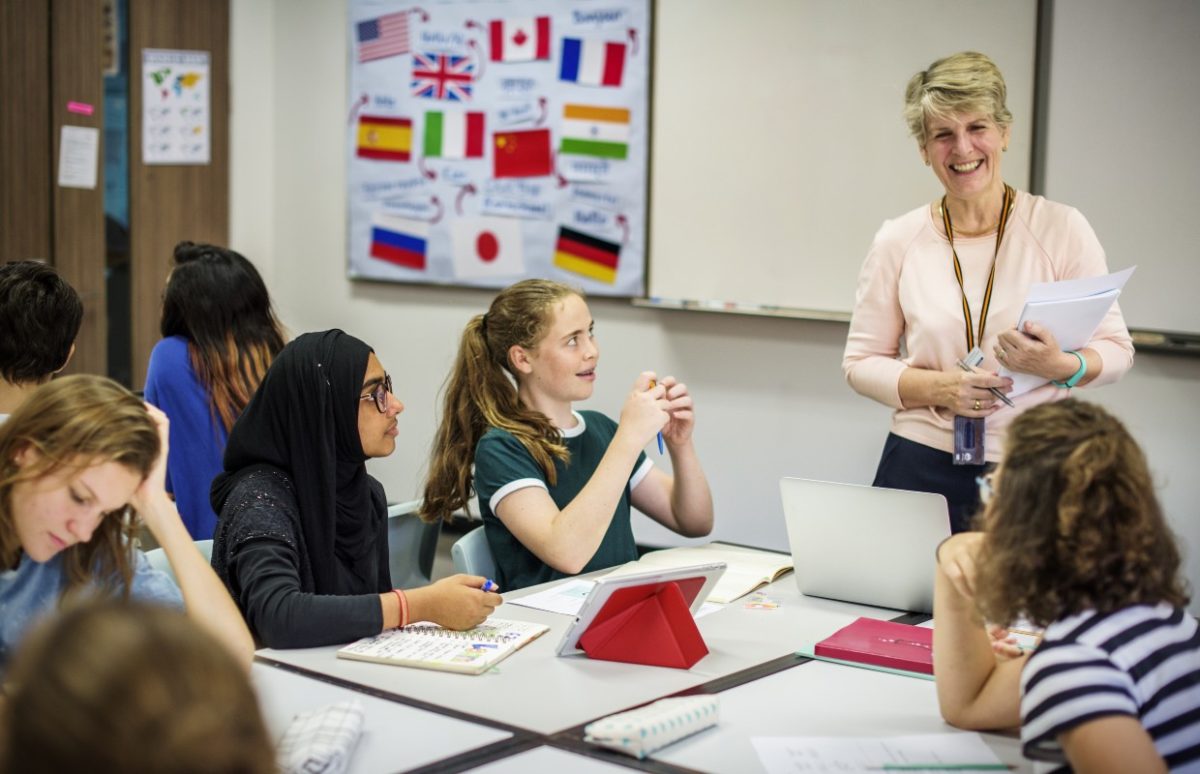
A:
[590,256]
[384,138]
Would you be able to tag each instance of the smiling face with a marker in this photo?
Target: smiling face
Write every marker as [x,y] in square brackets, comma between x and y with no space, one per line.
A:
[561,368]
[377,430]
[64,507]
[965,152]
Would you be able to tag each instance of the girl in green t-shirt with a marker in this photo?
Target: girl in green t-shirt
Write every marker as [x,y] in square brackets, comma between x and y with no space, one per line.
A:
[554,484]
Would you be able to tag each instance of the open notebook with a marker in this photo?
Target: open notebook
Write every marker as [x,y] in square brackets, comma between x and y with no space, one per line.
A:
[745,568]
[429,646]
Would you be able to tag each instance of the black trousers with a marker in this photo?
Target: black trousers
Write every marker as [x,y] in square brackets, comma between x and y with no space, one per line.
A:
[916,467]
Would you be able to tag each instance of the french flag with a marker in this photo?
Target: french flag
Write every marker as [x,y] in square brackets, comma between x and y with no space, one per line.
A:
[592,62]
[397,240]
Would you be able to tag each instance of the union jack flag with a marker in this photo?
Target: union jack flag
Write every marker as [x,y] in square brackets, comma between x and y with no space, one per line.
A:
[443,76]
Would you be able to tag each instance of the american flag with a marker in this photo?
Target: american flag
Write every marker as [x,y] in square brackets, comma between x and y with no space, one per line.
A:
[443,76]
[382,37]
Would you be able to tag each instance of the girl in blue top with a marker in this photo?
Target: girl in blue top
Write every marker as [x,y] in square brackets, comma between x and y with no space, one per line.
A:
[82,460]
[219,336]
[555,485]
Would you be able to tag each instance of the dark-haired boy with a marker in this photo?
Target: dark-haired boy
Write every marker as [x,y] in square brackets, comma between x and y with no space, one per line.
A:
[40,315]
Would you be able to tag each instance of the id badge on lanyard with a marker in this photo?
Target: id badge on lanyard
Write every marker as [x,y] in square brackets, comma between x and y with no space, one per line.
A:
[969,432]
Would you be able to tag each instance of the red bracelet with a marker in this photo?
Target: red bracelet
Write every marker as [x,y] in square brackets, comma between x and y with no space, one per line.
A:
[403,607]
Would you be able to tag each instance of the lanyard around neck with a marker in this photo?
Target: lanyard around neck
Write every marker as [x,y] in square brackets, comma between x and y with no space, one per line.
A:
[1005,209]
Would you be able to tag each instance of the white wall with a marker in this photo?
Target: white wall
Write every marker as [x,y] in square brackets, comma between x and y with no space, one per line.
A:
[770,396]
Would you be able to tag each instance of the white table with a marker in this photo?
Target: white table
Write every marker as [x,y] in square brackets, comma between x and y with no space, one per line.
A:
[536,690]
[549,760]
[819,699]
[395,736]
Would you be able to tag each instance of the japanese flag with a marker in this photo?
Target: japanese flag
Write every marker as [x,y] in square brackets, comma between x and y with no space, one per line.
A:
[487,247]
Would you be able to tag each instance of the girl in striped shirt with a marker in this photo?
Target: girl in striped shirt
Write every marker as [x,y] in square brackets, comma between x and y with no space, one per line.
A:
[1072,537]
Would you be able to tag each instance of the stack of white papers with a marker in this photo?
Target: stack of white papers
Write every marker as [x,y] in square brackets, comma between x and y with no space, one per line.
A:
[1071,310]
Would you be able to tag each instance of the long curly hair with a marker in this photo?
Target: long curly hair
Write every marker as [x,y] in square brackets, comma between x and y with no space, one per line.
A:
[75,422]
[480,392]
[1074,524]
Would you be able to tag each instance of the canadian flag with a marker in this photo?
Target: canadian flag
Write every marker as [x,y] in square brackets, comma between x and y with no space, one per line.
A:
[520,40]
[487,247]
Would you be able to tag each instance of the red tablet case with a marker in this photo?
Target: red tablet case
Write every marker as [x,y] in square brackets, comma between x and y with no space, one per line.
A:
[881,643]
[648,624]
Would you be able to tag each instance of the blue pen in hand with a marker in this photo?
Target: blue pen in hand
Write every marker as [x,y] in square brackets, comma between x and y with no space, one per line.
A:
[489,585]
[660,441]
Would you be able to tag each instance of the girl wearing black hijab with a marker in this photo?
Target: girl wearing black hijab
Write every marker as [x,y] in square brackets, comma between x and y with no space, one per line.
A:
[301,539]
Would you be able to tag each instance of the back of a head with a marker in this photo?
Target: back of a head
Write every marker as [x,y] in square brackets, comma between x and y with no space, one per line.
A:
[218,302]
[40,315]
[122,687]
[1074,524]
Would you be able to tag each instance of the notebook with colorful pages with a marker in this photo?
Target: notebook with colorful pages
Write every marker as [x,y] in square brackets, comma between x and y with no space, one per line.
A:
[885,646]
[745,568]
[428,646]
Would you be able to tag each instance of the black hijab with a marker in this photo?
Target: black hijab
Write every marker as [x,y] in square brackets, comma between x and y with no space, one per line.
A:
[303,421]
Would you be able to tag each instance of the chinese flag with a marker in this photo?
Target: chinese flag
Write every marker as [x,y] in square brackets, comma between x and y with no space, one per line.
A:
[522,154]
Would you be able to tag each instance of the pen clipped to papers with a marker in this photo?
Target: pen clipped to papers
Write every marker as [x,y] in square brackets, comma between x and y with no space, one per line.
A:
[974,358]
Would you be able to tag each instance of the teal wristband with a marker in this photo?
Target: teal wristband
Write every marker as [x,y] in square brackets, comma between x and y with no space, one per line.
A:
[1075,377]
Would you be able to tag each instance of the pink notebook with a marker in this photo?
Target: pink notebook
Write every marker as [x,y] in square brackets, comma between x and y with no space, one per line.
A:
[881,643]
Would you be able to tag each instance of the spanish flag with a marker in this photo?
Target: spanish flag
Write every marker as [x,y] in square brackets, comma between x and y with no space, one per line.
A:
[385,138]
[589,256]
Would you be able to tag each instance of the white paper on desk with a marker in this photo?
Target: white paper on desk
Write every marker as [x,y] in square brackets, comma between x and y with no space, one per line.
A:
[567,598]
[844,754]
[1071,310]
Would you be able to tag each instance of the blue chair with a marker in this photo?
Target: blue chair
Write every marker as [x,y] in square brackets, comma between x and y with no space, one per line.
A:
[412,544]
[472,555]
[158,557]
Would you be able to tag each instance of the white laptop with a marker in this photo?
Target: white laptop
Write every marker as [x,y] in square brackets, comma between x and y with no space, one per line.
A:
[864,544]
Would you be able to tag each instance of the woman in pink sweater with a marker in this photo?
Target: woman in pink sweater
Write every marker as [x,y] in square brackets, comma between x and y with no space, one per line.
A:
[953,274]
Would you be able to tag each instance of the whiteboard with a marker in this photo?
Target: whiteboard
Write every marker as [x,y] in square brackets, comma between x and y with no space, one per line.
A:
[778,144]
[1121,147]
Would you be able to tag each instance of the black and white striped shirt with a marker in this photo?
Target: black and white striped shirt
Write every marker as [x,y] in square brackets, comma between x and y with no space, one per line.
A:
[1141,661]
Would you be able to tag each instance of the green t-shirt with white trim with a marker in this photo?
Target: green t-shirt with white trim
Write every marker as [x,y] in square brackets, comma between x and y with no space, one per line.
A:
[503,466]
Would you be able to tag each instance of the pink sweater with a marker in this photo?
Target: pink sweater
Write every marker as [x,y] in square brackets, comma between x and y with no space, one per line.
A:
[907,297]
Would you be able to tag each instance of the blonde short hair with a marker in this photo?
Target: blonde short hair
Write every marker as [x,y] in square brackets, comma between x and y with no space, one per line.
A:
[967,82]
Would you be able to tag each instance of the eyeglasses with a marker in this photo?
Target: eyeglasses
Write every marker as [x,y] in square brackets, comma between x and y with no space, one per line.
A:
[380,394]
[986,492]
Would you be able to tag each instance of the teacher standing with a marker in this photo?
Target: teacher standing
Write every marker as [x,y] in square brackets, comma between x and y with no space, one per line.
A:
[954,274]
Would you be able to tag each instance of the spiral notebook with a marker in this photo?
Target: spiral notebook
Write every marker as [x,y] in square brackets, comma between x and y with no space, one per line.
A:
[428,646]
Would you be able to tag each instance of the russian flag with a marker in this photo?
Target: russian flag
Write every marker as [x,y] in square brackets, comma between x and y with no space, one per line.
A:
[397,240]
[591,62]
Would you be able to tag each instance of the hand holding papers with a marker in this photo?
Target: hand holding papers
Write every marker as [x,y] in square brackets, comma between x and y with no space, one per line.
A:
[1071,310]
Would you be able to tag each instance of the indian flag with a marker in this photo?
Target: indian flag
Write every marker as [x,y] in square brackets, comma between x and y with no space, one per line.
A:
[589,256]
[454,134]
[589,130]
[385,138]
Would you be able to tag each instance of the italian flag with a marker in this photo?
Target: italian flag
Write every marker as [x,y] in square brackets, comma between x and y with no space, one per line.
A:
[454,134]
[589,130]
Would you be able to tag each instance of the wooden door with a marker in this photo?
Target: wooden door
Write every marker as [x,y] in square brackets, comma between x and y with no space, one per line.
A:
[170,203]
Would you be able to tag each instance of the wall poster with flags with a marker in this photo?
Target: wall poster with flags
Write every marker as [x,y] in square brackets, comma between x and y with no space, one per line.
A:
[488,141]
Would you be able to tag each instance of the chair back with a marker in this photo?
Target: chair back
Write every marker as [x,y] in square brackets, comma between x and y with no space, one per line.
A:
[158,558]
[412,544]
[472,555]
